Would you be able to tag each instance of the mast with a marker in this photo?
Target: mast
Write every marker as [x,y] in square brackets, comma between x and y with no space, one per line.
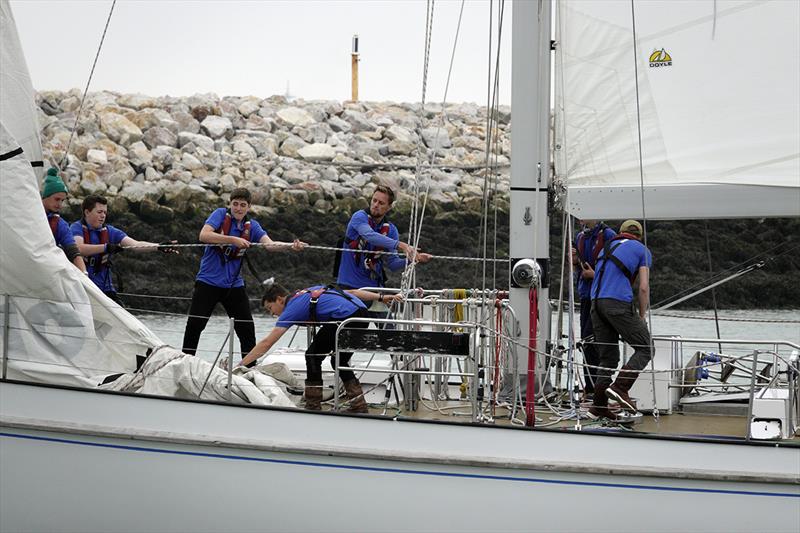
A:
[530,173]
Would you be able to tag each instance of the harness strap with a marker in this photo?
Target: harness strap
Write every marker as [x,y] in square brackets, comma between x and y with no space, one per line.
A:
[315,296]
[609,256]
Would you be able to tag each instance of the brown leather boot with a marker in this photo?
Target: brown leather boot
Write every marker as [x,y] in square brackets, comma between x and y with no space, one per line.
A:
[355,395]
[619,389]
[313,395]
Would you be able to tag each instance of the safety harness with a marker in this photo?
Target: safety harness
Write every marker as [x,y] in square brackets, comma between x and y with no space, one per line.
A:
[315,296]
[230,252]
[98,262]
[608,255]
[598,245]
[370,260]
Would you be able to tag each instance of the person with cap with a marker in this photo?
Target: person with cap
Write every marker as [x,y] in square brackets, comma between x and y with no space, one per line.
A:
[54,193]
[219,280]
[98,241]
[369,231]
[623,262]
[589,242]
[326,307]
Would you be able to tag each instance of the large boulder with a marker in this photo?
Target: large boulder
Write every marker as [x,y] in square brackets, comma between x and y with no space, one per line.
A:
[358,121]
[136,101]
[437,137]
[153,212]
[136,192]
[201,141]
[119,129]
[159,136]
[317,152]
[217,127]
[295,116]
[291,146]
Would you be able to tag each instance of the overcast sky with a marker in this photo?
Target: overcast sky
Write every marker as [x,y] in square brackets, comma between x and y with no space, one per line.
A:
[179,48]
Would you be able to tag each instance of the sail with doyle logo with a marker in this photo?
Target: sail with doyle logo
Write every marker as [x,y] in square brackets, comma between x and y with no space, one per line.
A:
[716,131]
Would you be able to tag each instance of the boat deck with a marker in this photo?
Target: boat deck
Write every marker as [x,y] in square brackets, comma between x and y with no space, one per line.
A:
[713,420]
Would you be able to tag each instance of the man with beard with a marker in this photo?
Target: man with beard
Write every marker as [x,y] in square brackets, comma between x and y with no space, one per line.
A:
[367,232]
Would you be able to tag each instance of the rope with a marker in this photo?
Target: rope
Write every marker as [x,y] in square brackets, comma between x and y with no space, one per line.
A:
[309,247]
[86,90]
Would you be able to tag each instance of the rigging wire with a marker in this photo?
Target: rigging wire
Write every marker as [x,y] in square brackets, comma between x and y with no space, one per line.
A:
[641,188]
[713,291]
[86,90]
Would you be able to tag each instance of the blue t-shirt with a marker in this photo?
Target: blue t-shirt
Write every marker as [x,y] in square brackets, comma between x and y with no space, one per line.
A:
[360,269]
[100,274]
[62,235]
[331,306]
[585,252]
[218,270]
[614,283]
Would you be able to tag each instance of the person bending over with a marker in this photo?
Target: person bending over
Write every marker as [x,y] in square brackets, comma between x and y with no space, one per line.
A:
[326,307]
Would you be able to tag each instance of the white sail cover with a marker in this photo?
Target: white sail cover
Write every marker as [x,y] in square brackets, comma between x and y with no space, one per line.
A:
[57,326]
[718,86]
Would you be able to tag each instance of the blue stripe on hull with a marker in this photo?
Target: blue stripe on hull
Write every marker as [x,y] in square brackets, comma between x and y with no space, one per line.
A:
[400,470]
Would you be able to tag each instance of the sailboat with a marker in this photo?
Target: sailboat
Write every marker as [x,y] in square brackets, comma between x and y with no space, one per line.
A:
[101,427]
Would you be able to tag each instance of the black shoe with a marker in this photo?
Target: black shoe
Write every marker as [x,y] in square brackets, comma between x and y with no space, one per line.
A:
[625,401]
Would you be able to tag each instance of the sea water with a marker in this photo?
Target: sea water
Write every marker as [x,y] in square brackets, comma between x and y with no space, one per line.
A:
[766,325]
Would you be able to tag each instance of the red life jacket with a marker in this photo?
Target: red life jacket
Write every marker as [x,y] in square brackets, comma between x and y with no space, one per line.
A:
[52,219]
[230,252]
[371,260]
[98,261]
[598,245]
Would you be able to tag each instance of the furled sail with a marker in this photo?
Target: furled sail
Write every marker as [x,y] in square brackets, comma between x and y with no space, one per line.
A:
[718,108]
[57,326]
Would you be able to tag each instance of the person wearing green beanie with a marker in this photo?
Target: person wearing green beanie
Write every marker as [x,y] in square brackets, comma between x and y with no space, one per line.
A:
[54,192]
[53,183]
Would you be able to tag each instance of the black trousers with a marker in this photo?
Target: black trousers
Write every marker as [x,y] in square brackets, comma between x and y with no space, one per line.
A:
[236,304]
[590,354]
[613,319]
[324,344]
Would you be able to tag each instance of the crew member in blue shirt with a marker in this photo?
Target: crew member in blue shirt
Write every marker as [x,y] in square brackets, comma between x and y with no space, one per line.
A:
[98,241]
[325,306]
[220,277]
[587,246]
[370,231]
[54,193]
[623,262]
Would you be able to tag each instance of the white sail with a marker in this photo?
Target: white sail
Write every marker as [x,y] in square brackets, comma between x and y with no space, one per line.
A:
[718,105]
[17,105]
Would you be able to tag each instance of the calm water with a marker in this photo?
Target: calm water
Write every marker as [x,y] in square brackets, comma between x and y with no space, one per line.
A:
[170,329]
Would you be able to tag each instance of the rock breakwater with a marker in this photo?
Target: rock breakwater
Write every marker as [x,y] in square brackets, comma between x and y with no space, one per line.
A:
[162,156]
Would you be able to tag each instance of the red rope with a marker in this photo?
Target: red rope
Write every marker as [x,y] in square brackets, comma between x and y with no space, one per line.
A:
[498,328]
[530,391]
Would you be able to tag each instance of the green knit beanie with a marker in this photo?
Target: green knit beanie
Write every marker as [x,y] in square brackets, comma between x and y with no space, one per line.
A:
[53,183]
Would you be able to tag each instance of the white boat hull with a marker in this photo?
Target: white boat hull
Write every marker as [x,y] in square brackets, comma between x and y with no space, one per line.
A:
[80,460]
